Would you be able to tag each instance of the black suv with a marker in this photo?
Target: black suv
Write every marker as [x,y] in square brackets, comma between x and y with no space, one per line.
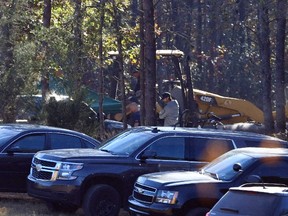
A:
[19,143]
[254,200]
[184,193]
[104,178]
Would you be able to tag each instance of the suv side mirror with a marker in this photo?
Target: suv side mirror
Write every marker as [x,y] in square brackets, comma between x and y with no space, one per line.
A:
[237,167]
[148,154]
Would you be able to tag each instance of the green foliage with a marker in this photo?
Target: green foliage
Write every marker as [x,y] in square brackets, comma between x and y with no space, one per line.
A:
[220,38]
[74,115]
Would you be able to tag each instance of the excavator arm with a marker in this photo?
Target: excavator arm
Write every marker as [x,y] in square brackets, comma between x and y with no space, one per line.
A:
[229,110]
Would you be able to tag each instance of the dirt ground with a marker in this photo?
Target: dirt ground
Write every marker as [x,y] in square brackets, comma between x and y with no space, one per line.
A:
[22,205]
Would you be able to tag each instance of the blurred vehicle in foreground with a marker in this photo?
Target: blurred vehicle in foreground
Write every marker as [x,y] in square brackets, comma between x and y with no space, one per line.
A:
[184,193]
[261,199]
[104,178]
[19,143]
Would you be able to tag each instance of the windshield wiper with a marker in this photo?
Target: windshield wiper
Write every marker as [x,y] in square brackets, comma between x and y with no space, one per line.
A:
[230,210]
[106,150]
[213,175]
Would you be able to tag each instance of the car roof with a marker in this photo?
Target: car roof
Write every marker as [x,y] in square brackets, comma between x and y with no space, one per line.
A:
[206,131]
[34,127]
[266,188]
[260,152]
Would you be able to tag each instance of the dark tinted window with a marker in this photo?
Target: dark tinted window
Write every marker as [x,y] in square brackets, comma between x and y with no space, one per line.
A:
[6,135]
[265,144]
[88,144]
[207,149]
[29,144]
[169,148]
[243,203]
[61,141]
[283,206]
[272,171]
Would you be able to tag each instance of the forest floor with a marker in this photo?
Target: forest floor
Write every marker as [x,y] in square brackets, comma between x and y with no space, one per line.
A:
[14,204]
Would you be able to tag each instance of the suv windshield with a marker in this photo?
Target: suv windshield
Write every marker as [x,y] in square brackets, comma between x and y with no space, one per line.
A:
[127,142]
[222,167]
[6,135]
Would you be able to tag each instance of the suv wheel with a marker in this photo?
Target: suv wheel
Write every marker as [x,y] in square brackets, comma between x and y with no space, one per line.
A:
[198,212]
[101,200]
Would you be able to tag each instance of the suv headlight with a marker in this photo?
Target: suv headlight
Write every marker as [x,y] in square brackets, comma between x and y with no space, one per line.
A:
[168,197]
[66,170]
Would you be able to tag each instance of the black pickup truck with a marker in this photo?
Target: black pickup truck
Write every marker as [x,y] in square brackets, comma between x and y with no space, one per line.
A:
[100,181]
[184,193]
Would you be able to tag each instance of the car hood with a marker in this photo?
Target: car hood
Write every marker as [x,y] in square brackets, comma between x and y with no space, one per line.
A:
[173,178]
[73,153]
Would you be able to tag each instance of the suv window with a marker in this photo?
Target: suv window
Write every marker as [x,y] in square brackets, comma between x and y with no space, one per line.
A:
[169,148]
[29,144]
[237,202]
[62,141]
[284,206]
[265,144]
[203,149]
[88,144]
[269,171]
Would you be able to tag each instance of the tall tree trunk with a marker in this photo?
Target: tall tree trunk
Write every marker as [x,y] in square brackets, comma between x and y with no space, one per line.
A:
[211,44]
[199,35]
[43,51]
[101,79]
[9,114]
[265,55]
[117,22]
[78,43]
[281,10]
[142,66]
[149,62]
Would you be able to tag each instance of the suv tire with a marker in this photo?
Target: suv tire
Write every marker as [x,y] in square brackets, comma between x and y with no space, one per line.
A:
[101,200]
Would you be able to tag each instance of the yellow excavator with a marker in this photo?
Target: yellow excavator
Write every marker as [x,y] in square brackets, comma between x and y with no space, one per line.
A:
[211,108]
[217,109]
[228,110]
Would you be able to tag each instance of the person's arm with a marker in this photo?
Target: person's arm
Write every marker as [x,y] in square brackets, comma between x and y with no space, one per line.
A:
[166,111]
[163,113]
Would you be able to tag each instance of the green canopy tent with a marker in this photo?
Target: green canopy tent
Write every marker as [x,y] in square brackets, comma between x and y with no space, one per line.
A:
[110,105]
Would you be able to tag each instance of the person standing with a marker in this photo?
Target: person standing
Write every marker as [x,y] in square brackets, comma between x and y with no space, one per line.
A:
[170,112]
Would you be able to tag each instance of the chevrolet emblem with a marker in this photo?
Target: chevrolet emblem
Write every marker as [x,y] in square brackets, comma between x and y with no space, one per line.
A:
[38,167]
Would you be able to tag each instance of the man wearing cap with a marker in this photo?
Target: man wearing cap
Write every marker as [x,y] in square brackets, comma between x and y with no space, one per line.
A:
[170,112]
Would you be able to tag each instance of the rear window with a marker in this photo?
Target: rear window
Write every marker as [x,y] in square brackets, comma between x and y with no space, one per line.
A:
[62,141]
[236,202]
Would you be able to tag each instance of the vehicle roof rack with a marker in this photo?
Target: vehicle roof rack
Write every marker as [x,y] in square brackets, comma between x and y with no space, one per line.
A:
[155,130]
[264,185]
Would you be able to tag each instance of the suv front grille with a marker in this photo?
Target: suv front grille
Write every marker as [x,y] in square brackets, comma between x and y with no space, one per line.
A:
[43,169]
[144,193]
[41,174]
[44,162]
